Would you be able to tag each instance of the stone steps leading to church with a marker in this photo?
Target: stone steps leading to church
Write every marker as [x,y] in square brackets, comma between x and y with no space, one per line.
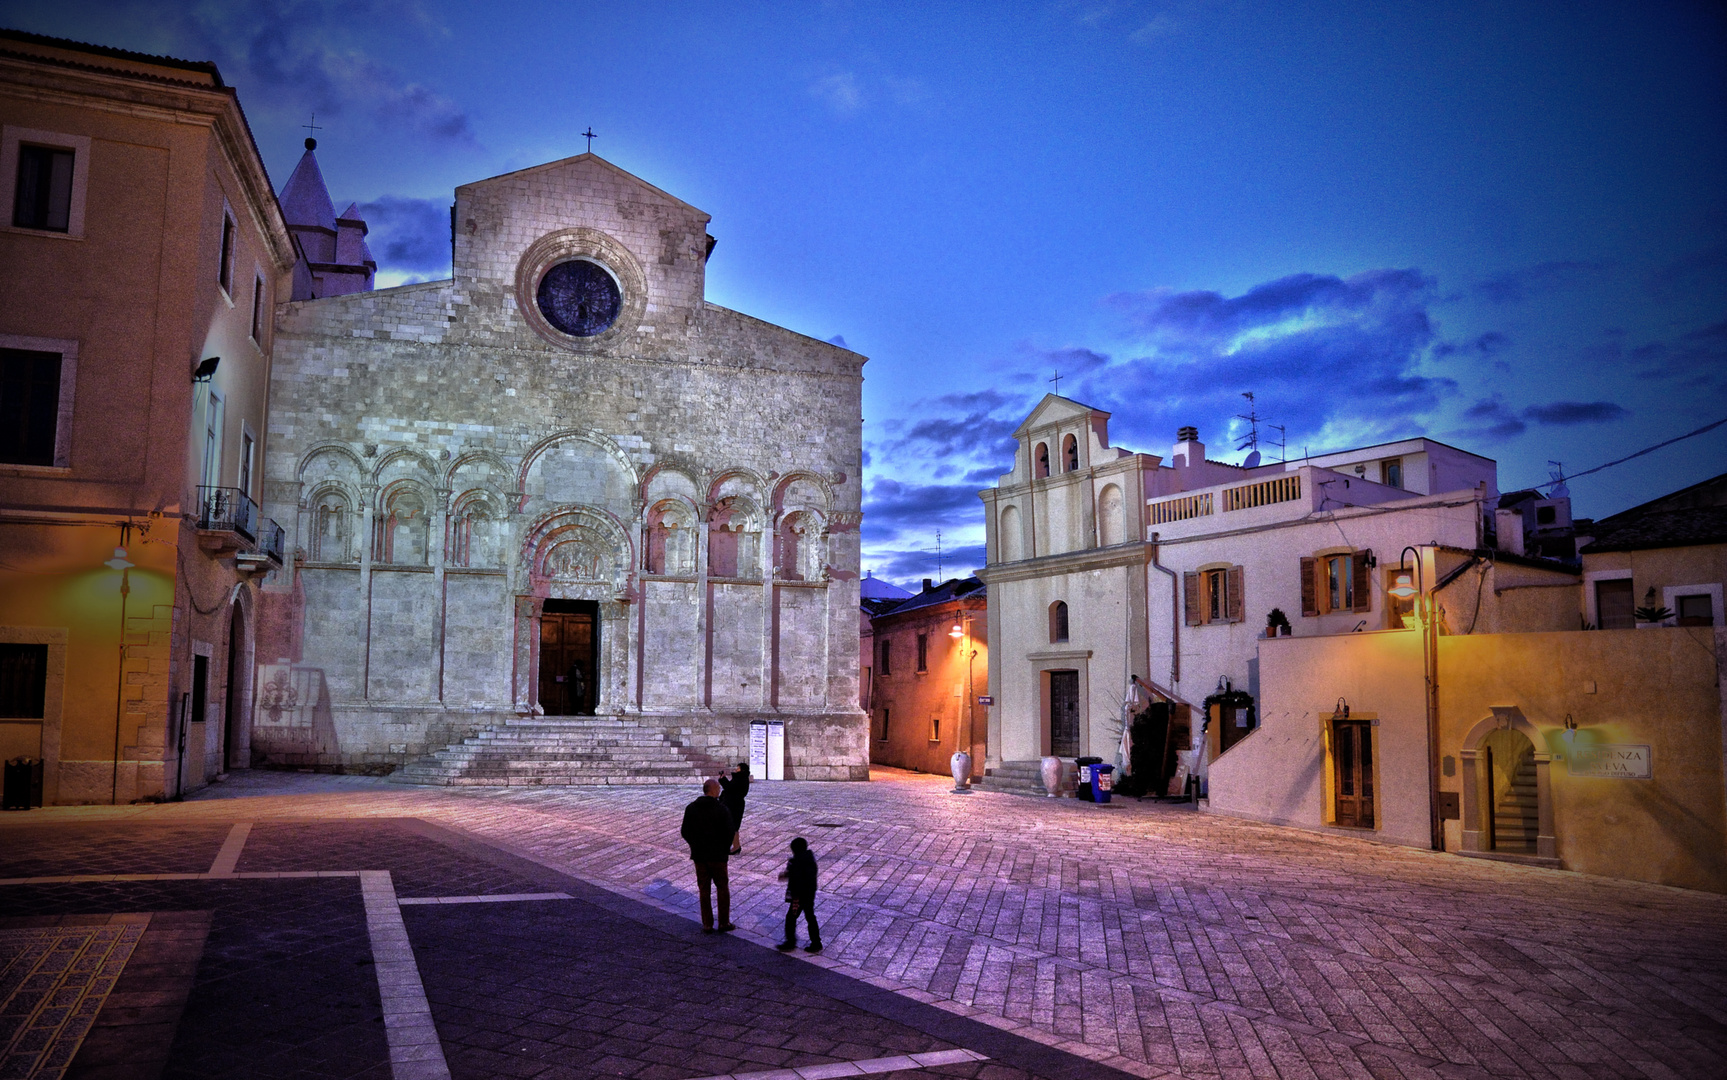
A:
[593,751]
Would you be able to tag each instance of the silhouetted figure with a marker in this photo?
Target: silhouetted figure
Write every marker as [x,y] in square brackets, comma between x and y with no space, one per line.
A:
[734,789]
[800,878]
[708,831]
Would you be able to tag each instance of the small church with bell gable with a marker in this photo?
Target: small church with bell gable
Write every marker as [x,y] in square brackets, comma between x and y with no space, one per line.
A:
[557,504]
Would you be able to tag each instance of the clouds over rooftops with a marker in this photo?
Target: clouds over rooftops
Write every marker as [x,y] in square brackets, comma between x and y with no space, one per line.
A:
[409,235]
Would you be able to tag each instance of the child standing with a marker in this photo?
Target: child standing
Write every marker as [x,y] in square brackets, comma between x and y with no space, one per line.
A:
[800,878]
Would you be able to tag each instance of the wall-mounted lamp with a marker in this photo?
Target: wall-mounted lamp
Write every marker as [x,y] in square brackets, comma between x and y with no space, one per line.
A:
[206,369]
[118,562]
[1570,729]
[1405,587]
[958,631]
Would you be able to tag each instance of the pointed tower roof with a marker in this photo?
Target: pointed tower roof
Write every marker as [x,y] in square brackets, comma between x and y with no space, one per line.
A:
[305,200]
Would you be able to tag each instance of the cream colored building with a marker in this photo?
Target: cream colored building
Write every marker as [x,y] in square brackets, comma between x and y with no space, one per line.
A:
[142,242]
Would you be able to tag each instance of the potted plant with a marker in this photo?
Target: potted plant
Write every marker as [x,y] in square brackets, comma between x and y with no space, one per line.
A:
[1276,623]
[1652,616]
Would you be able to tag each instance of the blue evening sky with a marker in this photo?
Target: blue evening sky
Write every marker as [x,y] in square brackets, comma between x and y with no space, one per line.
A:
[1503,225]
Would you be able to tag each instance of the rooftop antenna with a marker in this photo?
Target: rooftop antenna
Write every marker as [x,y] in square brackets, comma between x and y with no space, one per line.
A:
[1557,472]
[1282,441]
[1250,441]
[938,554]
[590,136]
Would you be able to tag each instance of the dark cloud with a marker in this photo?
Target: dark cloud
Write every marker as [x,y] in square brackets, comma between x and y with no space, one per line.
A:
[839,339]
[1316,350]
[1487,344]
[1695,361]
[409,234]
[1697,268]
[1575,412]
[1491,420]
[908,568]
[1519,285]
[892,508]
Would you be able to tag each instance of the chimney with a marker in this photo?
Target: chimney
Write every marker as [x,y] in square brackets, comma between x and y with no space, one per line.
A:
[928,584]
[1189,451]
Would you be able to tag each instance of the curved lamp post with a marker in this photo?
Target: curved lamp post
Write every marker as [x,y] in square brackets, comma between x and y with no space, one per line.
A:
[960,763]
[1405,589]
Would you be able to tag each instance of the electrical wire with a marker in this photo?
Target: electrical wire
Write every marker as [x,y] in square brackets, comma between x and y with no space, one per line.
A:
[1645,450]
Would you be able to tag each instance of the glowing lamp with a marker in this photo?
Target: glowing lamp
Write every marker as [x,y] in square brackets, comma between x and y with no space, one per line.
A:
[958,631]
[118,562]
[1404,589]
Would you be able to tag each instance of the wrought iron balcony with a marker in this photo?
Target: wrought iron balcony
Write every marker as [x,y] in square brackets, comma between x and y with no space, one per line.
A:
[228,510]
[270,540]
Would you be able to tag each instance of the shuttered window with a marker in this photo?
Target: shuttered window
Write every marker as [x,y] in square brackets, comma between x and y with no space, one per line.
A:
[1309,586]
[1213,596]
[1336,583]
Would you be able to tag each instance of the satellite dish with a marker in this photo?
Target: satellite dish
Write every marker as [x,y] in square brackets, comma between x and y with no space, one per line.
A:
[1252,461]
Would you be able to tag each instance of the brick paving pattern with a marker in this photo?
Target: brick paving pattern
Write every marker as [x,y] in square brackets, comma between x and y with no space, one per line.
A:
[1154,939]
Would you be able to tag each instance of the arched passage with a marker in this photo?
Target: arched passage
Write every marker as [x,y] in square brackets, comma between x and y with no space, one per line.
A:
[236,738]
[1507,792]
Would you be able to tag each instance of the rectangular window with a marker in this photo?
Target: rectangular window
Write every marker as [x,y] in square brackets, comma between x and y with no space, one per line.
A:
[1332,583]
[1339,583]
[23,681]
[1696,610]
[886,658]
[1213,596]
[212,439]
[43,197]
[1391,472]
[886,715]
[934,728]
[1615,605]
[29,406]
[246,451]
[258,310]
[923,652]
[225,268]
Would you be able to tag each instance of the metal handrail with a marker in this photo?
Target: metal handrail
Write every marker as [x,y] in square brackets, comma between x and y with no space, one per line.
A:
[271,538]
[226,509]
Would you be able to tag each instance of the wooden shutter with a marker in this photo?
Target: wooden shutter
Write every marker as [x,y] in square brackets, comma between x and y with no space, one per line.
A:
[1309,587]
[1234,597]
[1363,585]
[1190,590]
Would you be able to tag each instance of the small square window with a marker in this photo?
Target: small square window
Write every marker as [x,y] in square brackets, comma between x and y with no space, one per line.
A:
[43,197]
[1696,610]
[23,681]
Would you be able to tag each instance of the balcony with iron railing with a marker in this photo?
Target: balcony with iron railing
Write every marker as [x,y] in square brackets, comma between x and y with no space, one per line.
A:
[227,519]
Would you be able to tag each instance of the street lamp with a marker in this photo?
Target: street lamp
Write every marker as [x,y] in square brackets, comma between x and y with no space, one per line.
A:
[960,763]
[121,563]
[1405,589]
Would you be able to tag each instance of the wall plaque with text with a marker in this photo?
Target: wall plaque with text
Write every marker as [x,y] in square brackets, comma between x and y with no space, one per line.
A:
[1624,761]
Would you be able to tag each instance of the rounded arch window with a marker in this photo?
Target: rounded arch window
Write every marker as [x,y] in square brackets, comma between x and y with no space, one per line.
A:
[1042,465]
[1058,621]
[579,297]
[1070,454]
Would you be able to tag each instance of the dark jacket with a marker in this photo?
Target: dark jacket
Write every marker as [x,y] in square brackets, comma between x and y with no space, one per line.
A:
[733,791]
[801,875]
[708,830]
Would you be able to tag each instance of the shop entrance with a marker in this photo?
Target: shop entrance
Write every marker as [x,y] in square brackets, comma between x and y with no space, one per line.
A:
[1352,757]
[569,657]
[1064,713]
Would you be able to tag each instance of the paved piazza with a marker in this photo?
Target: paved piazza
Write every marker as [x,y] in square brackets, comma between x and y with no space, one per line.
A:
[298,925]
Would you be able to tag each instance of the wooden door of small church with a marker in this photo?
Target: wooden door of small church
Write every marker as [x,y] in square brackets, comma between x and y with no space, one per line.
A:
[569,657]
[1064,713]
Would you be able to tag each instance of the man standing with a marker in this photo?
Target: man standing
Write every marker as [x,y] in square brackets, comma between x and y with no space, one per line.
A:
[708,830]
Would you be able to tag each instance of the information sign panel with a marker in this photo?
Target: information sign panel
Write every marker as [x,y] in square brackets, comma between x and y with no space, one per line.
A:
[1624,761]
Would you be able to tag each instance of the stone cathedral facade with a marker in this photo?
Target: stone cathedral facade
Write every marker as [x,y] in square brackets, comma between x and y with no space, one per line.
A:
[561,484]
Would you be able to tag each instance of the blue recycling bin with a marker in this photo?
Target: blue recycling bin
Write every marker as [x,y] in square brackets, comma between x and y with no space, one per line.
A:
[1101,782]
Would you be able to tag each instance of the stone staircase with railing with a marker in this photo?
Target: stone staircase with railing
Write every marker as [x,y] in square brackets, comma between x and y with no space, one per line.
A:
[1516,816]
[1013,778]
[562,750]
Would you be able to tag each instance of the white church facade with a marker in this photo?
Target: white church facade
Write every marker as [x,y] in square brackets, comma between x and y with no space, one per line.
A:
[559,493]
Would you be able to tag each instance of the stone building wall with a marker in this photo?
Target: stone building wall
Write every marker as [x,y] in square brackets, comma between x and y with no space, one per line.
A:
[446,461]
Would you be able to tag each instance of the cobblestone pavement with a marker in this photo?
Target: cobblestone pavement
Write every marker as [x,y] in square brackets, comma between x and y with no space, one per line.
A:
[1151,939]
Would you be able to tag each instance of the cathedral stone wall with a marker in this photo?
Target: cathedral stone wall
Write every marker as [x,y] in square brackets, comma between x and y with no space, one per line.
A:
[446,461]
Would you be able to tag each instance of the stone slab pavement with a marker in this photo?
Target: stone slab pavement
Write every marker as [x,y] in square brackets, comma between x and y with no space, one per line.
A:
[1150,940]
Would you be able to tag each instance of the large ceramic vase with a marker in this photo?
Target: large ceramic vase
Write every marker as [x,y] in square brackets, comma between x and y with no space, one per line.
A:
[1051,768]
[960,763]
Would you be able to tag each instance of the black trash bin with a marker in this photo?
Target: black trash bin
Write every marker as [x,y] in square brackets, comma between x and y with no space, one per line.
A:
[1082,777]
[21,787]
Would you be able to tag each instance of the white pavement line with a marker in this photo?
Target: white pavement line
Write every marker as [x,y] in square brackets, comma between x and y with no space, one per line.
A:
[415,1053]
[229,856]
[503,898]
[865,1067]
[250,875]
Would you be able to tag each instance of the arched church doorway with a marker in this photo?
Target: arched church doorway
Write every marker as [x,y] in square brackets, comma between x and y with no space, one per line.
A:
[1513,819]
[569,657]
[234,700]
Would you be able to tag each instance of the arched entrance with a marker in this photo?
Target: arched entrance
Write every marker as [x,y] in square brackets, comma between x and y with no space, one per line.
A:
[1507,794]
[235,745]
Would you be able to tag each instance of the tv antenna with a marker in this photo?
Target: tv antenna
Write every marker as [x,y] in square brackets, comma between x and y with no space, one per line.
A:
[1557,471]
[938,556]
[1282,441]
[1250,441]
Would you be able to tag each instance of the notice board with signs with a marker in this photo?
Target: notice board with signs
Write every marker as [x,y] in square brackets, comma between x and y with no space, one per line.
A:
[1623,761]
[768,750]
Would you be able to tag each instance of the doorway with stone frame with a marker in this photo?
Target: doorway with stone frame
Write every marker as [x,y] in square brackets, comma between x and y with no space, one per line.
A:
[569,657]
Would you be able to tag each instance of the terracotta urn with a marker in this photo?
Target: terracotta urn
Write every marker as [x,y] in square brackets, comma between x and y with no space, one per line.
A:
[1051,770]
[960,763]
